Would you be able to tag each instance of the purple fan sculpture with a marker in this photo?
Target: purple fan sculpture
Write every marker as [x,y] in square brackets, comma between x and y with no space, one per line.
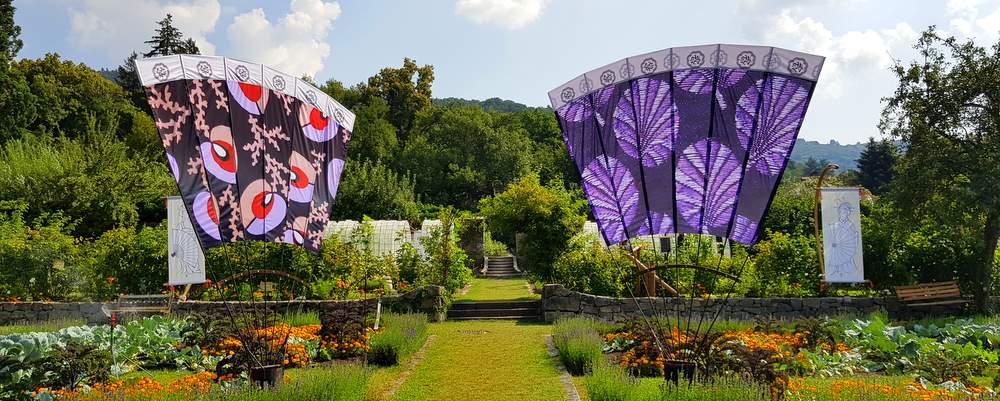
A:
[698,141]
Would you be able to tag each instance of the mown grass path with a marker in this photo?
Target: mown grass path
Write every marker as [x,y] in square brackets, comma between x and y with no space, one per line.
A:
[497,360]
[485,360]
[498,289]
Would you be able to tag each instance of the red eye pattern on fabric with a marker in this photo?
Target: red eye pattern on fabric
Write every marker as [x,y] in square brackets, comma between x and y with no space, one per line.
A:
[206,214]
[251,91]
[317,119]
[219,154]
[299,178]
[262,204]
[315,125]
[223,154]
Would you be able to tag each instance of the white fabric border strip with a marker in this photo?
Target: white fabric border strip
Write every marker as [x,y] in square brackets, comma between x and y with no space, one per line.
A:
[177,67]
[757,58]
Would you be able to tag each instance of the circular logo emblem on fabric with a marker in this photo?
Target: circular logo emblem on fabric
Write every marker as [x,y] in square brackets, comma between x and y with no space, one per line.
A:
[627,70]
[798,66]
[607,77]
[770,61]
[586,84]
[648,66]
[204,69]
[719,57]
[746,59]
[161,72]
[339,115]
[278,82]
[672,61]
[567,94]
[311,97]
[696,59]
[242,73]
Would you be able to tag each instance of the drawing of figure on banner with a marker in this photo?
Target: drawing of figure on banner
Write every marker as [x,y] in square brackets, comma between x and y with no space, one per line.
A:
[185,259]
[842,250]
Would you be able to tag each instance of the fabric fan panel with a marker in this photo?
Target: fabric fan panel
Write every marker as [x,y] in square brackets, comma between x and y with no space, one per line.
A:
[694,144]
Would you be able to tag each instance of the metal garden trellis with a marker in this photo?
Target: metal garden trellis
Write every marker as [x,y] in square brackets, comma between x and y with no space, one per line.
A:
[685,140]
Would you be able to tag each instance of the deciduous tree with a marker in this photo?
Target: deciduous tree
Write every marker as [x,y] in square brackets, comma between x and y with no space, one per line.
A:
[946,112]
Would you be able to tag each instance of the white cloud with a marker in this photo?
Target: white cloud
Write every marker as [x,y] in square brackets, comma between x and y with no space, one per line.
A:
[295,44]
[117,29]
[509,14]
[970,21]
[865,53]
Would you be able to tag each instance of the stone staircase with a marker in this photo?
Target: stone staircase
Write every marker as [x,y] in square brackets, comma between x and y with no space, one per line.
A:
[501,267]
[496,310]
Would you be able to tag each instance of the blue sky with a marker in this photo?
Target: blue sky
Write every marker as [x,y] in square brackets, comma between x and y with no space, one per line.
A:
[520,49]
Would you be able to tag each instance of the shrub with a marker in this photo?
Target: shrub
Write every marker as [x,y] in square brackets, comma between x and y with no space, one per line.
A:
[548,216]
[411,264]
[128,260]
[589,267]
[612,383]
[786,265]
[372,189]
[296,319]
[493,247]
[447,264]
[38,261]
[403,335]
[579,343]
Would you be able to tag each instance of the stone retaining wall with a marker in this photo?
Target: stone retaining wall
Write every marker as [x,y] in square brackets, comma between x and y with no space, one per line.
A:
[558,302]
[429,300]
[14,312]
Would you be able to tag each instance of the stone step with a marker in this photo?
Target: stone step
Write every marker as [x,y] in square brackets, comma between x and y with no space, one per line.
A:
[503,275]
[495,310]
[532,318]
[521,312]
[495,305]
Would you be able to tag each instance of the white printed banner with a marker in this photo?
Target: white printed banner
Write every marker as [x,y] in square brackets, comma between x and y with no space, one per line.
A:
[842,251]
[185,260]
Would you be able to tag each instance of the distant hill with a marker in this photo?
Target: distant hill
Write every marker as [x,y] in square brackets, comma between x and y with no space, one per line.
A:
[493,103]
[844,155]
[111,75]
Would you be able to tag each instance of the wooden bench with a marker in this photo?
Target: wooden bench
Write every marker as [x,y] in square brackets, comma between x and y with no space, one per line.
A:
[143,304]
[930,294]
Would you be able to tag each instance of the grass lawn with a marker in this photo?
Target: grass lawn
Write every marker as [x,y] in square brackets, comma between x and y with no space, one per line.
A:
[498,289]
[814,389]
[46,326]
[485,360]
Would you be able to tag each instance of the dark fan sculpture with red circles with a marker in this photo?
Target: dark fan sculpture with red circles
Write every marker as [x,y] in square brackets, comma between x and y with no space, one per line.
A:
[257,153]
[687,139]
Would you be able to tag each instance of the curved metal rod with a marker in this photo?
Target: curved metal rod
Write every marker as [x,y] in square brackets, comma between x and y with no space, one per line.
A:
[262,272]
[687,266]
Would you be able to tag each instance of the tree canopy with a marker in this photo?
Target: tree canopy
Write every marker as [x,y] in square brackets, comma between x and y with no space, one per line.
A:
[946,112]
[876,163]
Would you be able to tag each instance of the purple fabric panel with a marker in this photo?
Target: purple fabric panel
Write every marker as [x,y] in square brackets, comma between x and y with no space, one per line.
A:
[656,145]
[782,103]
[694,102]
[645,125]
[728,152]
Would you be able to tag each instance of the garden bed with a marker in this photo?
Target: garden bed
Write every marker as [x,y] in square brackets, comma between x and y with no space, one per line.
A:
[811,359]
[162,358]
